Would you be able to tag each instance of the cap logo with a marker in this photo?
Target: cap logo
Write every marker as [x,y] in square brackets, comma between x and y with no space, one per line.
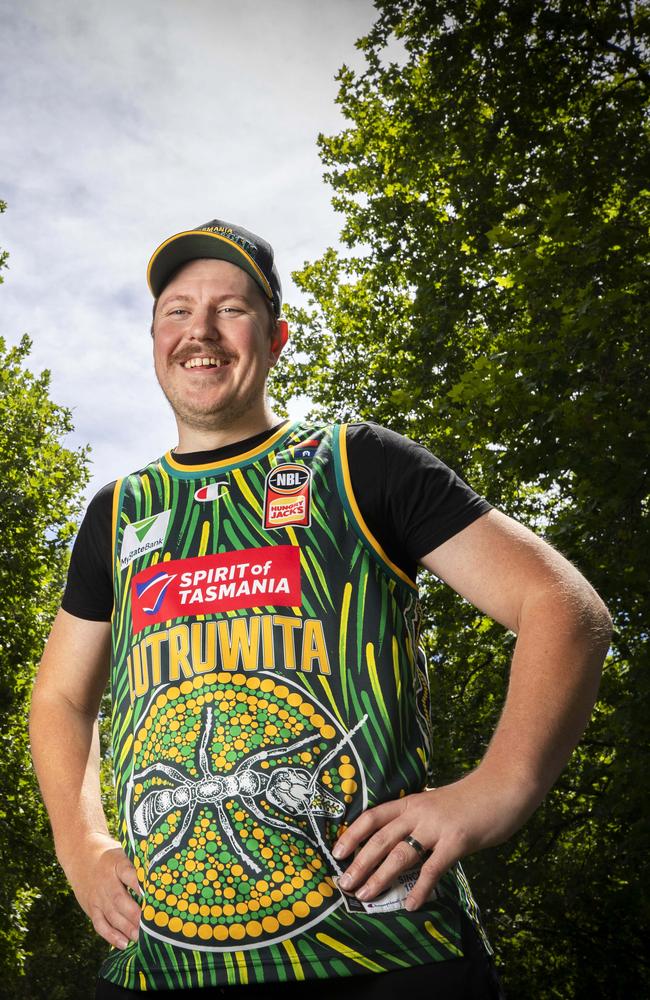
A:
[233,237]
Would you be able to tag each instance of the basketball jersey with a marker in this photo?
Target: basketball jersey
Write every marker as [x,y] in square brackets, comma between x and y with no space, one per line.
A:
[266,689]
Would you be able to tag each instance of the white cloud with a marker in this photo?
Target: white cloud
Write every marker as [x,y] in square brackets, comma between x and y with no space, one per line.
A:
[123,123]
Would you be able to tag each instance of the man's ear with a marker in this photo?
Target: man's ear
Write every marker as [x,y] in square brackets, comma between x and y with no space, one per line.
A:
[278,339]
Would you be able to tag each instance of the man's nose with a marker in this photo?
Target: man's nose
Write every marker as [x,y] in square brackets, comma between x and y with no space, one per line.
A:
[204,324]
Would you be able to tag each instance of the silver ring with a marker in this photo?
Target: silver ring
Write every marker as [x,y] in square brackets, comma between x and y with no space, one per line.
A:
[416,845]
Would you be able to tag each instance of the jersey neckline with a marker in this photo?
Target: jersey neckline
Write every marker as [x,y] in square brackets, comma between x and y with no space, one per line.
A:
[240,452]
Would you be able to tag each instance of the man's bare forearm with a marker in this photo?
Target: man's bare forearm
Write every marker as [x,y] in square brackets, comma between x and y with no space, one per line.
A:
[65,747]
[65,750]
[561,645]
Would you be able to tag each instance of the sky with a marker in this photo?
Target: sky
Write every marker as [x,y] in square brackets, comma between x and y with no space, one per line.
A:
[123,123]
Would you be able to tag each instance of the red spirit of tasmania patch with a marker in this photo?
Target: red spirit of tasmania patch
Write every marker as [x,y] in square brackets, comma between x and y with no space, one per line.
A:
[287,498]
[251,578]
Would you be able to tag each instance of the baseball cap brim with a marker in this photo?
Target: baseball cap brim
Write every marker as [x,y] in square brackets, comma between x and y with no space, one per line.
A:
[195,245]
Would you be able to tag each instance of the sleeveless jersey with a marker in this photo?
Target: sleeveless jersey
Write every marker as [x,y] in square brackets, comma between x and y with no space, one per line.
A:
[266,689]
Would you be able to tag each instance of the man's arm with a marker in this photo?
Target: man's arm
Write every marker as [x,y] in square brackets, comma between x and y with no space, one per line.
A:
[65,748]
[563,631]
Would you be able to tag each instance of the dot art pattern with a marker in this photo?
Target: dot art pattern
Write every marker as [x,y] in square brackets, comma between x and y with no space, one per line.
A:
[240,784]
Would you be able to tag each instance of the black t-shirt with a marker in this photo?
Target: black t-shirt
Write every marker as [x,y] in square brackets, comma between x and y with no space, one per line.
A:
[410,500]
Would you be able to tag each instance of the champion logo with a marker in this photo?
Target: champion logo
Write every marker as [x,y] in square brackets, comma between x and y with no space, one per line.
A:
[213,491]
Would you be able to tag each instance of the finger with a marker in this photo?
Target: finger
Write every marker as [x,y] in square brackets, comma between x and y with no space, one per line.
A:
[401,858]
[365,825]
[373,852]
[126,873]
[123,913]
[443,857]
[106,930]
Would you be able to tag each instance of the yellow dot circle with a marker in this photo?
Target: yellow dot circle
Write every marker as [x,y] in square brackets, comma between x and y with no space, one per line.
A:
[254,928]
[300,908]
[237,931]
[327,732]
[270,924]
[220,932]
[205,932]
[175,925]
[148,913]
[314,899]
[189,930]
[286,918]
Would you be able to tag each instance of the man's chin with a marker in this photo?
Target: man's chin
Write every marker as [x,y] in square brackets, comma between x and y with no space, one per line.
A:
[216,418]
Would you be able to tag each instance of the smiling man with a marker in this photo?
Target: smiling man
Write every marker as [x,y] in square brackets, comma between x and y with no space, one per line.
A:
[251,598]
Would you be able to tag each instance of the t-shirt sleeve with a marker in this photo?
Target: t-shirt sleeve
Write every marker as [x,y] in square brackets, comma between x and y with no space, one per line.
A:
[89,587]
[411,501]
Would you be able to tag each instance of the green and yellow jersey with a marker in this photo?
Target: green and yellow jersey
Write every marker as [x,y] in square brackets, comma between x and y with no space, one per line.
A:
[266,689]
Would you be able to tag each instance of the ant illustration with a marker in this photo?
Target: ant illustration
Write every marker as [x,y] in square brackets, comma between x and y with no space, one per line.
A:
[294,791]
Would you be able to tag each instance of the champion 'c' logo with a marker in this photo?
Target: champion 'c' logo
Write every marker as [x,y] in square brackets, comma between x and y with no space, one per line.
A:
[213,491]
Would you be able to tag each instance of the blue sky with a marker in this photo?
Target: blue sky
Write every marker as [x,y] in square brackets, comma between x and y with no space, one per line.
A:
[123,123]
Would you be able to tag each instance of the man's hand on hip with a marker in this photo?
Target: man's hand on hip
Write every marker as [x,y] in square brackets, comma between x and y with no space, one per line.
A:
[100,878]
[447,822]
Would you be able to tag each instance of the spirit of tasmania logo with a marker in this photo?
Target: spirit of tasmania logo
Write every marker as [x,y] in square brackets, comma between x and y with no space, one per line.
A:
[250,578]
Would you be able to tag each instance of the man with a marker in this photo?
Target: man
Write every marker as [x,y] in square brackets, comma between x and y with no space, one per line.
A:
[251,596]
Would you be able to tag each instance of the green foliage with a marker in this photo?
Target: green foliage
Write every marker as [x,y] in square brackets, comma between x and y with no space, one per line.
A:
[40,485]
[491,303]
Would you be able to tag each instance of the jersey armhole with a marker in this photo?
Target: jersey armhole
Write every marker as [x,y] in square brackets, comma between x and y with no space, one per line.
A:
[346,493]
[117,494]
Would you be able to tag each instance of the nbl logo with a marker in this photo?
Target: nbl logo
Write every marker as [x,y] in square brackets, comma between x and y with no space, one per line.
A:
[287,499]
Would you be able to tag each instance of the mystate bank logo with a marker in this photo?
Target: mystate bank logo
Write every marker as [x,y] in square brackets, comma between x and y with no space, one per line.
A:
[250,578]
[143,536]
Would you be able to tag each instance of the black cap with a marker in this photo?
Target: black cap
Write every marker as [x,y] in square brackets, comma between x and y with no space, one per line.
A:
[221,241]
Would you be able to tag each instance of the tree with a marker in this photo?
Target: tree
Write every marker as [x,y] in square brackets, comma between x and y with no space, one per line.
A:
[40,496]
[491,303]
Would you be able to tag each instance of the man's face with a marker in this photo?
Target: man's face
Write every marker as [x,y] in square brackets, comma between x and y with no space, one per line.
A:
[212,347]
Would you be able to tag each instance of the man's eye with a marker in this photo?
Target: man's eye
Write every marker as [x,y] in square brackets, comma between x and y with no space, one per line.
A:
[229,309]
